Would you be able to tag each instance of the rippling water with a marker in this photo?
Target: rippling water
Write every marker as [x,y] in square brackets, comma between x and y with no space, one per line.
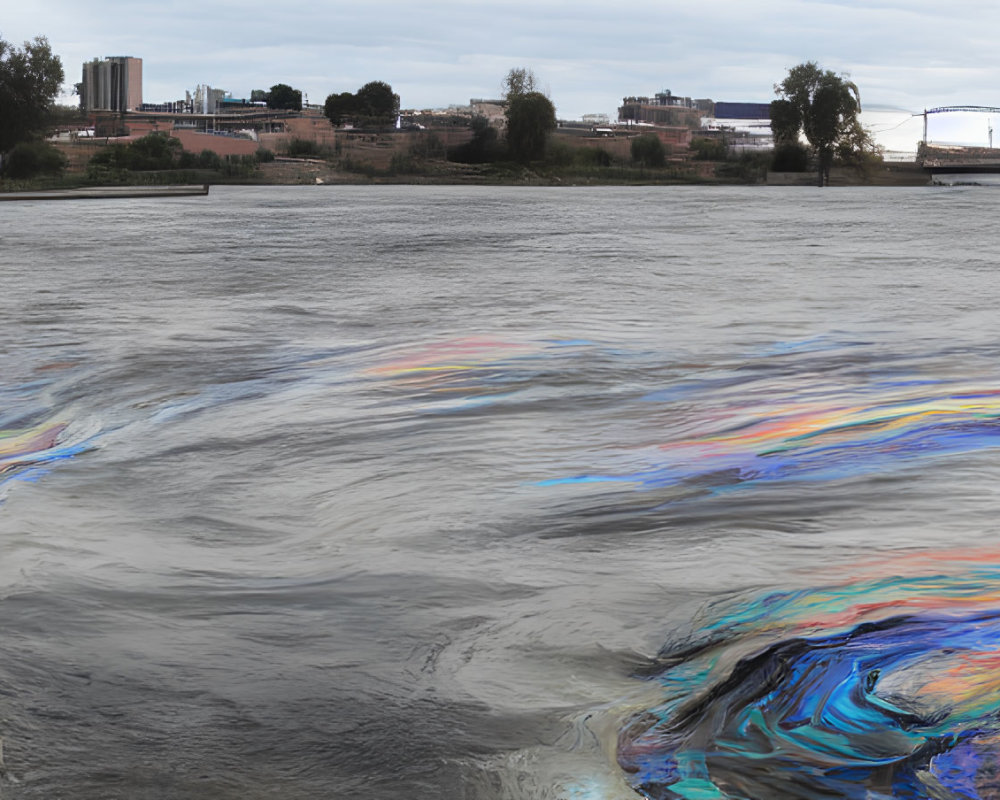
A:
[501,493]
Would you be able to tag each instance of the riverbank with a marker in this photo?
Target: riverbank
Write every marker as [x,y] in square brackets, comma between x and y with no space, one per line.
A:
[107,192]
[285,171]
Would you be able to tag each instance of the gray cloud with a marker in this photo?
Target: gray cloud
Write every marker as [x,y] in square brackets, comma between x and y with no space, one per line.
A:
[587,54]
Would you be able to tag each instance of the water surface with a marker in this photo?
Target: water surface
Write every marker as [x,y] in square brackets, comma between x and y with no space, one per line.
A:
[424,492]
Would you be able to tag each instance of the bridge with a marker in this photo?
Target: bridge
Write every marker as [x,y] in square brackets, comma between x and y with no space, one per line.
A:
[960,160]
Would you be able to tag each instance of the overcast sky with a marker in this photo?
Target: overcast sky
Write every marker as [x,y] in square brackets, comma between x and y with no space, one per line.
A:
[588,54]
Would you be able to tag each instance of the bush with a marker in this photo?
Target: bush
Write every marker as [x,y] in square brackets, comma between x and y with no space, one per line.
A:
[747,167]
[208,159]
[305,148]
[264,155]
[790,158]
[593,157]
[560,154]
[648,151]
[427,146]
[484,147]
[28,159]
[709,149]
[402,164]
[238,166]
[155,151]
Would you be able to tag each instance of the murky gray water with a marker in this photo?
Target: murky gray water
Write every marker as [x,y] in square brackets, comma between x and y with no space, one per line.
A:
[390,491]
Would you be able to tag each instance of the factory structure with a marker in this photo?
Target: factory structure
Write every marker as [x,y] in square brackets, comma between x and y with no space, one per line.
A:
[112,84]
[211,118]
[205,119]
[743,126]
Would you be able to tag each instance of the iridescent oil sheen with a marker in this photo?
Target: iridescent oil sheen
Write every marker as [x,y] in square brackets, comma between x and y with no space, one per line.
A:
[887,686]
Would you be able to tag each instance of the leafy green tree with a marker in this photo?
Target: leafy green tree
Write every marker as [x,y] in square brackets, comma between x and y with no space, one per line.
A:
[283,96]
[30,78]
[377,104]
[531,117]
[822,106]
[648,151]
[339,108]
[258,96]
[373,104]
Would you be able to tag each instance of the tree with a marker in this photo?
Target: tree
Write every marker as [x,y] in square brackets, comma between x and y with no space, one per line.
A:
[377,103]
[519,81]
[821,105]
[648,151]
[30,78]
[531,117]
[373,104]
[258,96]
[283,96]
[339,107]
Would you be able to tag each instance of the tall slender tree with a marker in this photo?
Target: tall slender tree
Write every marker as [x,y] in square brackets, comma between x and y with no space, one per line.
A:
[824,107]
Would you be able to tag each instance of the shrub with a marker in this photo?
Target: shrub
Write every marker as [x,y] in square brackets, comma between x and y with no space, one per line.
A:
[28,159]
[790,158]
[709,149]
[264,155]
[238,166]
[155,151]
[484,147]
[560,154]
[427,146]
[648,151]
[305,148]
[208,159]
[402,164]
[593,157]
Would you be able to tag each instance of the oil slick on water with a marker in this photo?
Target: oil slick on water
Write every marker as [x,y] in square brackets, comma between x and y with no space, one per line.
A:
[879,685]
[886,686]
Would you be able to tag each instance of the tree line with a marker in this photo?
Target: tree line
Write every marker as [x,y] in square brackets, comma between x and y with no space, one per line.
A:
[812,104]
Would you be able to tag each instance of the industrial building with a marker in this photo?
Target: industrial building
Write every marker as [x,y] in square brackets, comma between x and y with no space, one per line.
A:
[114,84]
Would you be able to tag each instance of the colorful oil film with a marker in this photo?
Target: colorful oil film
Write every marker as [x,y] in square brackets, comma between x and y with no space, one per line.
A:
[25,451]
[862,430]
[887,687]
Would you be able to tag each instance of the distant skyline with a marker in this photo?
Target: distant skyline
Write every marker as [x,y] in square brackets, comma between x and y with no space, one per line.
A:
[587,55]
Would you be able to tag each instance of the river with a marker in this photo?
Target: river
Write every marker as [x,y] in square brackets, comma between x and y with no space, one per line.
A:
[497,492]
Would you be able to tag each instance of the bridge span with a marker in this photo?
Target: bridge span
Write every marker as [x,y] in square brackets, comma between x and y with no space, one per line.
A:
[958,160]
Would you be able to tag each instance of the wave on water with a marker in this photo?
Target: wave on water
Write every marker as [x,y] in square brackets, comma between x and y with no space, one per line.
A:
[885,687]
